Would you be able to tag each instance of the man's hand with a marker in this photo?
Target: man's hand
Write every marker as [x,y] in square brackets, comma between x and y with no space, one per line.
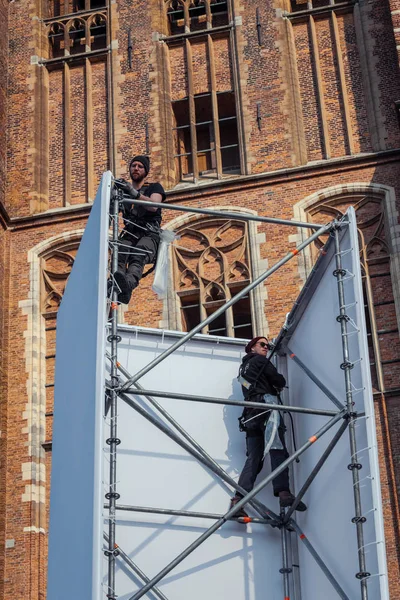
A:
[127,188]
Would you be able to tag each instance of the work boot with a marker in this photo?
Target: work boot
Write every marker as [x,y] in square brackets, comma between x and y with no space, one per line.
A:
[286,499]
[124,295]
[241,512]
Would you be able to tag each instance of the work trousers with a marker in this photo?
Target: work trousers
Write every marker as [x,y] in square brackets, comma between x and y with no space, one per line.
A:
[255,446]
[134,252]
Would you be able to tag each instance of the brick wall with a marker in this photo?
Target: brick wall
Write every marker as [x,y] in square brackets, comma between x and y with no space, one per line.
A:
[280,74]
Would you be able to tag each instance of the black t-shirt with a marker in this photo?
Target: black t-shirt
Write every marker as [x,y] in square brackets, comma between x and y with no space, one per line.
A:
[139,214]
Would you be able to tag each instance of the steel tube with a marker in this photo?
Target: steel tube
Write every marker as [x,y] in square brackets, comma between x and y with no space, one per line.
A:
[136,569]
[316,470]
[235,508]
[347,366]
[113,407]
[209,400]
[223,308]
[285,560]
[210,465]
[256,504]
[225,214]
[183,513]
[319,561]
[315,379]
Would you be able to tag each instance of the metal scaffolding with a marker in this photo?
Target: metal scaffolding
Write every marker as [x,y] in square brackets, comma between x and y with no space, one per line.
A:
[124,386]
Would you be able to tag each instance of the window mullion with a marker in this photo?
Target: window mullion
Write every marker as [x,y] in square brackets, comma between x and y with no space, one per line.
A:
[67,135]
[192,110]
[217,139]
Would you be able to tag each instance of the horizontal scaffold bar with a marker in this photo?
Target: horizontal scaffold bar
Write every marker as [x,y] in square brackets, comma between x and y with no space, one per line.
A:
[223,213]
[185,513]
[209,400]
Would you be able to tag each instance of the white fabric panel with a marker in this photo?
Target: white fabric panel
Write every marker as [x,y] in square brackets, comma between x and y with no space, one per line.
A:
[76,490]
[317,343]
[238,561]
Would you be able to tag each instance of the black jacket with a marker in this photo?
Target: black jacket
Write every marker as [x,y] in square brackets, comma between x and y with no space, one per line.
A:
[259,371]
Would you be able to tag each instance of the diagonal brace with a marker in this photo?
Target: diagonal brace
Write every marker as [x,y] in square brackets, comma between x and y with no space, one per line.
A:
[316,469]
[315,379]
[209,464]
[236,508]
[224,308]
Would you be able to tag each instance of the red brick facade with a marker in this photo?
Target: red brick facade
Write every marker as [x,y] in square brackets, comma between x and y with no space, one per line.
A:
[311,97]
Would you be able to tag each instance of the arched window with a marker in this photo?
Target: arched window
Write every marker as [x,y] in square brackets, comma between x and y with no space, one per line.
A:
[211,265]
[375,259]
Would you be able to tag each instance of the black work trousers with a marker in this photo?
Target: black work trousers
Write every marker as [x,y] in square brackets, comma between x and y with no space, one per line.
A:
[136,250]
[255,446]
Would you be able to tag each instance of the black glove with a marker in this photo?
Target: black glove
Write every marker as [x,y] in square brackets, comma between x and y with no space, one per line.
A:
[127,188]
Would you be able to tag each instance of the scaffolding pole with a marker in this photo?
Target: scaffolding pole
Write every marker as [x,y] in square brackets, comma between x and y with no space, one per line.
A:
[135,568]
[225,307]
[354,466]
[260,405]
[112,495]
[222,213]
[316,556]
[237,507]
[316,470]
[188,513]
[315,379]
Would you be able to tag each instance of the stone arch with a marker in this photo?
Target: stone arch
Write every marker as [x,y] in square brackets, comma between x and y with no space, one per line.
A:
[386,195]
[171,310]
[34,470]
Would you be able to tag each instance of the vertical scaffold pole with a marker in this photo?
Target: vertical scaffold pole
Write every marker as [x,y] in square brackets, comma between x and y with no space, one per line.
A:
[354,466]
[112,495]
[285,570]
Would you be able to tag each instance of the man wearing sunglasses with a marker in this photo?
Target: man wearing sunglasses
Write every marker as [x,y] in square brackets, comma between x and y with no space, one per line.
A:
[259,377]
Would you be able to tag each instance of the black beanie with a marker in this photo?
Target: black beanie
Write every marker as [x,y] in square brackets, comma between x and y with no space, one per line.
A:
[142,159]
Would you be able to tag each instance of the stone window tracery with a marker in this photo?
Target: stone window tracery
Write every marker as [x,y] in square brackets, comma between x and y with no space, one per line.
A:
[211,265]
[77,35]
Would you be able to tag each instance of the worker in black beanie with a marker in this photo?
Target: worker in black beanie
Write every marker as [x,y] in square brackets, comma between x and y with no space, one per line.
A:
[140,238]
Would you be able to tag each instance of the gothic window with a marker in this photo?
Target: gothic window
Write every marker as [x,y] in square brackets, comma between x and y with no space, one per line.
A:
[204,106]
[326,61]
[78,91]
[380,312]
[211,265]
[77,35]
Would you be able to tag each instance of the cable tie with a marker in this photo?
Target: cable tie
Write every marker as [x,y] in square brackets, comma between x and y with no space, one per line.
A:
[312,439]
[302,536]
[295,251]
[285,570]
[115,441]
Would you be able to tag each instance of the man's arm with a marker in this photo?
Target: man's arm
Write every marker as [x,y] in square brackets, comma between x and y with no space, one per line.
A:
[153,198]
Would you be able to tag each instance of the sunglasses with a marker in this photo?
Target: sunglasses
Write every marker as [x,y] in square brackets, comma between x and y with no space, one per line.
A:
[263,344]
